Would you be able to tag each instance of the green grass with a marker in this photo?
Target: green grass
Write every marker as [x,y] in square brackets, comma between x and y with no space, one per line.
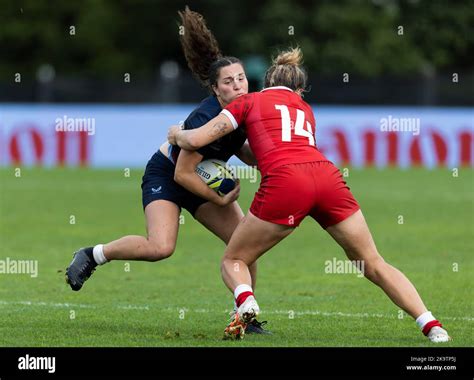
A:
[304,305]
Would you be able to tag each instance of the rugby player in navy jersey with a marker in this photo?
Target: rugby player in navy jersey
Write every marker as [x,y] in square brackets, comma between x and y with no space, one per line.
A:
[170,182]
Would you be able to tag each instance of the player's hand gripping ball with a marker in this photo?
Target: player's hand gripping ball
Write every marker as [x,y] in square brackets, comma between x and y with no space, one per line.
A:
[217,175]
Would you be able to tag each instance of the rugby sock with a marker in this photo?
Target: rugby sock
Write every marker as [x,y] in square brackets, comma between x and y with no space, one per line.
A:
[241,293]
[98,253]
[426,321]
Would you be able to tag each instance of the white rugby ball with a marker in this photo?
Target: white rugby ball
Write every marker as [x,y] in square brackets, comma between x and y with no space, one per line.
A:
[217,175]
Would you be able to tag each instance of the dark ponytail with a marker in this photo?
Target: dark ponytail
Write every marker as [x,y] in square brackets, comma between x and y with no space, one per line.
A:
[201,49]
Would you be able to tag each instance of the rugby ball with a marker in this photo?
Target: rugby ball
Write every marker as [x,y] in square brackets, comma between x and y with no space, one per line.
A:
[217,175]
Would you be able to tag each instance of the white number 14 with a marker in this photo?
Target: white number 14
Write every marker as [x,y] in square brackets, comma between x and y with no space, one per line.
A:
[300,124]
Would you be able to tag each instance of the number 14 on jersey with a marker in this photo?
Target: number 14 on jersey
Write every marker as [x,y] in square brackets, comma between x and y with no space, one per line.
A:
[301,128]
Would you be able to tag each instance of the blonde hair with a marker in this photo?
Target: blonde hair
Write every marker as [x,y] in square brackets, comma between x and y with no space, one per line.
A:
[286,70]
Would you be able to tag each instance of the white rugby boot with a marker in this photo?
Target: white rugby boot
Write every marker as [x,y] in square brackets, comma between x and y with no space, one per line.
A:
[249,310]
[438,335]
[246,313]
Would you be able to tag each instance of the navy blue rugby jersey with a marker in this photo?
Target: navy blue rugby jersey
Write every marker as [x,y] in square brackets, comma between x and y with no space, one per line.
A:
[221,149]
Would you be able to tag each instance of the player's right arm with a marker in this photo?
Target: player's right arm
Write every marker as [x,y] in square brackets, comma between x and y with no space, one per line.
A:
[223,124]
[194,139]
[186,176]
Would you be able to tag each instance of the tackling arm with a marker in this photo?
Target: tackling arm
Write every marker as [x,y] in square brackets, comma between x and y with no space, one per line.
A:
[197,138]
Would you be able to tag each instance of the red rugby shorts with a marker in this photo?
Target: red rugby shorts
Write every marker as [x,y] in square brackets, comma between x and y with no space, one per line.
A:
[289,193]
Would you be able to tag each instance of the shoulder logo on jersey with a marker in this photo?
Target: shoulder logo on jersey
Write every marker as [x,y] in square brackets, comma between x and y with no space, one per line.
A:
[156,191]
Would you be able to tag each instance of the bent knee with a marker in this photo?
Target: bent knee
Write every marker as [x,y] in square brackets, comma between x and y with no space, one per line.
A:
[236,259]
[160,251]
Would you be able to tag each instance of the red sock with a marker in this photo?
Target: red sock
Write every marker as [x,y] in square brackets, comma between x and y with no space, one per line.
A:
[430,325]
[242,297]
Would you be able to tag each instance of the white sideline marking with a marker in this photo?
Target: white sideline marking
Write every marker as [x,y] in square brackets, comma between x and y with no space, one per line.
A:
[177,309]
[132,307]
[49,304]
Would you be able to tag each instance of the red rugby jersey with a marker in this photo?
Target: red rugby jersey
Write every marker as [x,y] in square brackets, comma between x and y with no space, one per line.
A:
[280,127]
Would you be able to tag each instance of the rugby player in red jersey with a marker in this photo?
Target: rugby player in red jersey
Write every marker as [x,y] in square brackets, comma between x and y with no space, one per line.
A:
[297,181]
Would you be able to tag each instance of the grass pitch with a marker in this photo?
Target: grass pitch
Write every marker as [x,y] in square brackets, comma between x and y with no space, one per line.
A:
[422,222]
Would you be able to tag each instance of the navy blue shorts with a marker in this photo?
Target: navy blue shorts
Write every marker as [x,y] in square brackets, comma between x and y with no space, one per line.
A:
[158,183]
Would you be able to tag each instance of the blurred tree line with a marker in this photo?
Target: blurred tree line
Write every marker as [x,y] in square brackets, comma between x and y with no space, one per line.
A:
[368,38]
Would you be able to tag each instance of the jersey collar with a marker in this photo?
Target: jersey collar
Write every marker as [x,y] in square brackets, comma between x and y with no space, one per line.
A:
[277,88]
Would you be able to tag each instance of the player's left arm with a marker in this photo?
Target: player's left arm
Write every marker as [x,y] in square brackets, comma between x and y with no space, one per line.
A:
[197,138]
[185,175]
[246,155]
